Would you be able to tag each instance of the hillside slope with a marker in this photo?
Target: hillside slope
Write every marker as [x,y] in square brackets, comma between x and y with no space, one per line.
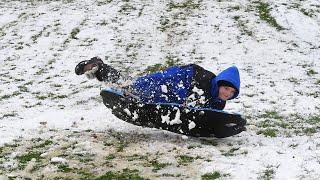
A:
[54,125]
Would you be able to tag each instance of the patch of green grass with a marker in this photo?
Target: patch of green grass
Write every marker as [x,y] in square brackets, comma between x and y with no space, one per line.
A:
[268,132]
[294,80]
[231,152]
[269,123]
[171,61]
[74,32]
[311,72]
[137,157]
[103,23]
[86,159]
[180,13]
[5,97]
[158,166]
[250,95]
[73,35]
[154,68]
[242,26]
[61,178]
[268,173]
[29,83]
[44,144]
[64,168]
[313,119]
[41,71]
[23,88]
[60,97]
[42,97]
[111,156]
[28,157]
[307,12]
[11,145]
[185,159]
[211,176]
[271,115]
[126,174]
[127,9]
[36,36]
[120,147]
[264,11]
[310,131]
[8,96]
[315,94]
[168,175]
[234,8]
[188,4]
[11,114]
[88,42]
[56,85]
[192,147]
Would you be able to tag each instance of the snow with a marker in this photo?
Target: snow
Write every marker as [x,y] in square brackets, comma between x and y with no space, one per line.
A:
[176,119]
[40,95]
[58,160]
[166,118]
[127,111]
[164,88]
[191,125]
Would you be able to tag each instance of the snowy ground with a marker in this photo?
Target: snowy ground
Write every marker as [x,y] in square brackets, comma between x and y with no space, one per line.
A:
[54,125]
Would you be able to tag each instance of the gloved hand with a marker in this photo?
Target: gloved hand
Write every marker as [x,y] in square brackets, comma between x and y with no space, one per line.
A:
[90,74]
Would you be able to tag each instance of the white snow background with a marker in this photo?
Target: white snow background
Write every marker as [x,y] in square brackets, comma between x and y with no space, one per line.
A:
[47,109]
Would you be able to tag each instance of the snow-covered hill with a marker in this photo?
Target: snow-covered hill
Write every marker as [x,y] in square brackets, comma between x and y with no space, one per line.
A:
[53,123]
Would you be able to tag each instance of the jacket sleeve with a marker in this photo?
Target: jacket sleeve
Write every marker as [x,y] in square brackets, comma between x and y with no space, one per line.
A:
[202,80]
[107,73]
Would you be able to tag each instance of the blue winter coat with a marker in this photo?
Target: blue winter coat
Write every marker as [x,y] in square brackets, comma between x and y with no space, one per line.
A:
[170,86]
[176,84]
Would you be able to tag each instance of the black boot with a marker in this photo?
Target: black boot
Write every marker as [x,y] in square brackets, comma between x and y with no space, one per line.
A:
[79,70]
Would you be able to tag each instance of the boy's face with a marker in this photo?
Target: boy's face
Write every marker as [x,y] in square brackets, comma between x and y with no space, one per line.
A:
[226,92]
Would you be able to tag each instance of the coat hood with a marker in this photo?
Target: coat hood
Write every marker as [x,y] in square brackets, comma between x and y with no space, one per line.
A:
[231,75]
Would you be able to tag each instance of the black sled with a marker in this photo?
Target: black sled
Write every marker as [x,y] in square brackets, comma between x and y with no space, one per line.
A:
[197,122]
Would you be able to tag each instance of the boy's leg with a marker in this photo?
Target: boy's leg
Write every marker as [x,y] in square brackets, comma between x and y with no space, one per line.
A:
[96,68]
[82,66]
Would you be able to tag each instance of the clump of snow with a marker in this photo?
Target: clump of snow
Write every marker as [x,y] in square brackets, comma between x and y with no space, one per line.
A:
[196,98]
[184,137]
[191,125]
[164,88]
[127,111]
[44,155]
[176,119]
[166,118]
[135,115]
[58,160]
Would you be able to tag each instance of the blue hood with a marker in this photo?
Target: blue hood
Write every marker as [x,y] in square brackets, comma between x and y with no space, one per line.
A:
[231,75]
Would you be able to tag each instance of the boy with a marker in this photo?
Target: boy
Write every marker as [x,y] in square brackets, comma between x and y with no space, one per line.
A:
[191,85]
